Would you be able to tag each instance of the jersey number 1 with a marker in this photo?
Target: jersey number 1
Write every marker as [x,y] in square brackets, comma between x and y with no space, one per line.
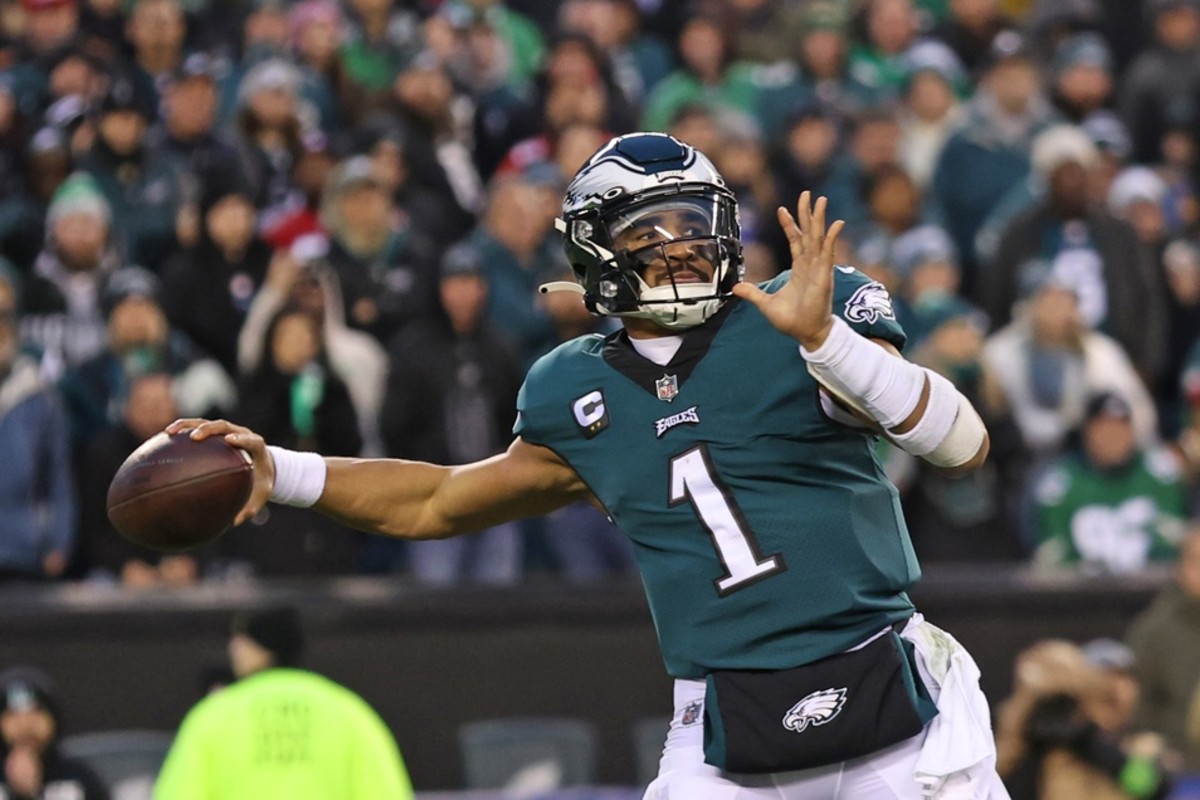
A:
[694,480]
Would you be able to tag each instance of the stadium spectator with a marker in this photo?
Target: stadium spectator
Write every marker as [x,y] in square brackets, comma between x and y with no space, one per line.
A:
[280,731]
[931,111]
[877,62]
[188,131]
[1116,661]
[420,186]
[23,211]
[1082,77]
[139,341]
[804,156]
[1165,639]
[893,201]
[105,555]
[12,138]
[317,28]
[384,38]
[742,160]
[295,393]
[576,87]
[970,27]
[926,264]
[30,731]
[873,145]
[1120,290]
[207,290]
[1107,505]
[524,42]
[37,513]
[301,277]
[381,260]
[708,74]
[990,154]
[1181,263]
[451,399]
[156,31]
[824,60]
[767,30]
[1137,195]
[434,118]
[515,244]
[1051,743]
[145,190]
[102,27]
[1163,77]
[61,314]
[270,129]
[639,59]
[51,30]
[472,52]
[1112,152]
[1047,362]
[301,213]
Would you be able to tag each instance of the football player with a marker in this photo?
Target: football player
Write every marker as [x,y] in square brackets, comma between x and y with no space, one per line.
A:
[728,430]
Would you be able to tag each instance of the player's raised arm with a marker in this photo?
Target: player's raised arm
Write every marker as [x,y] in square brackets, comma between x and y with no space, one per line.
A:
[919,410]
[407,499]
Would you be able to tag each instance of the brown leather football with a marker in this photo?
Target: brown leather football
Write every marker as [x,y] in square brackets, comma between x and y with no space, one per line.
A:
[175,493]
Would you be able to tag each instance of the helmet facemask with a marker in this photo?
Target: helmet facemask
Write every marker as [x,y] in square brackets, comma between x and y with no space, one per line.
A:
[671,255]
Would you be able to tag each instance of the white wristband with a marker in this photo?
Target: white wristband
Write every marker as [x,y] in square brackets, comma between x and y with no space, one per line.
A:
[299,477]
[870,378]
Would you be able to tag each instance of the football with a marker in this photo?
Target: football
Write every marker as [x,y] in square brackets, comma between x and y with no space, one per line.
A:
[174,493]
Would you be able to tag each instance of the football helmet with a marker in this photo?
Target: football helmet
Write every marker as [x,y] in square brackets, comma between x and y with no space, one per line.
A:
[651,231]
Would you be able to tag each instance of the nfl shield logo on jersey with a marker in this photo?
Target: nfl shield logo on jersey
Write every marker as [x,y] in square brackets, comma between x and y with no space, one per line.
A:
[691,712]
[667,387]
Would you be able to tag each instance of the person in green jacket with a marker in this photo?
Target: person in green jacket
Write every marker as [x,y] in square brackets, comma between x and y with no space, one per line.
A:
[1111,507]
[280,731]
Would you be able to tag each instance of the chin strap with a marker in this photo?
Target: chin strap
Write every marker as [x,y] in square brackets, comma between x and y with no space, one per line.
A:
[561,286]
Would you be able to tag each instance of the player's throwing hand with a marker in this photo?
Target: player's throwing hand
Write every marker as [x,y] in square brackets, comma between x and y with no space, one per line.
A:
[802,308]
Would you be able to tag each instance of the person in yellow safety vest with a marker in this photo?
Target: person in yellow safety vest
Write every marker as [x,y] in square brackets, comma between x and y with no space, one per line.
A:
[280,731]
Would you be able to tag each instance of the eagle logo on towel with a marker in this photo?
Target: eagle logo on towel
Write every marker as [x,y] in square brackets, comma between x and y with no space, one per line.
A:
[817,708]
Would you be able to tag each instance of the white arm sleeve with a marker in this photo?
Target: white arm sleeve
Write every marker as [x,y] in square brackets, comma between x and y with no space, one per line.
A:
[887,389]
[865,375]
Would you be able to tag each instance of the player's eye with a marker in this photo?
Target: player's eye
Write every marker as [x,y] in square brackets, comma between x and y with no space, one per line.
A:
[646,234]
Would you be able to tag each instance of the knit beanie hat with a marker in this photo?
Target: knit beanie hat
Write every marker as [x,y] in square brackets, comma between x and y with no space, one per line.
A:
[277,630]
[24,688]
[79,194]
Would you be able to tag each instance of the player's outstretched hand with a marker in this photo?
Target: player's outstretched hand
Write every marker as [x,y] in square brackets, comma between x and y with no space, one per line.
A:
[802,308]
[244,439]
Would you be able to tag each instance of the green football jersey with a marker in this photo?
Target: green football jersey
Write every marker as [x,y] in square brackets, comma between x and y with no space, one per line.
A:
[766,534]
[1116,520]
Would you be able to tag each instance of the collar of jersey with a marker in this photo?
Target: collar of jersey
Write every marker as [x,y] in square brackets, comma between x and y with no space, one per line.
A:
[621,355]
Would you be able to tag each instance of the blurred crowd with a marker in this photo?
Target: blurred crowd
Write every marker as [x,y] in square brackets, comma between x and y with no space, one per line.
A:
[327,220]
